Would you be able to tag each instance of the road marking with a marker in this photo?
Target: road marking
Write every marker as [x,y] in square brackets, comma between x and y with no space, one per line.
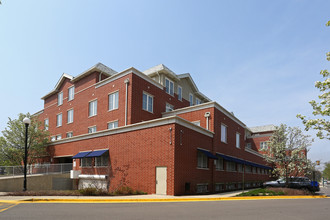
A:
[7,205]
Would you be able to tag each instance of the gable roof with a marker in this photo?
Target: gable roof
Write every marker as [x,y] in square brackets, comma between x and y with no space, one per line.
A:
[58,84]
[98,67]
[187,76]
[161,68]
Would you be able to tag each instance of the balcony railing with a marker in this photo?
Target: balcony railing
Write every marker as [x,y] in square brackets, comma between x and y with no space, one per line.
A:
[7,171]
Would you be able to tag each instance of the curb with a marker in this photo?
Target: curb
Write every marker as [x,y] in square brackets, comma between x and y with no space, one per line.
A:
[164,200]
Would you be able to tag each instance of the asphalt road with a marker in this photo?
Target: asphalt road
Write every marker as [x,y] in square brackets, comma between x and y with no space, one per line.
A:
[247,210]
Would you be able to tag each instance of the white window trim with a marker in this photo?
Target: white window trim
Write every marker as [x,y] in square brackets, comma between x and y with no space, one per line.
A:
[89,116]
[148,102]
[69,93]
[67,114]
[239,140]
[57,120]
[226,137]
[58,98]
[92,127]
[191,101]
[46,127]
[169,89]
[171,107]
[112,122]
[117,91]
[180,93]
[68,133]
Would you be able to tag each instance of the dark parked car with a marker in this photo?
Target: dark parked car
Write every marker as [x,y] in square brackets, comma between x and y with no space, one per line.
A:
[295,183]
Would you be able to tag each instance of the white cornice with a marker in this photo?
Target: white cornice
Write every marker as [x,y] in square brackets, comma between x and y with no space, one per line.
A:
[204,106]
[126,72]
[98,67]
[138,126]
[58,84]
[159,68]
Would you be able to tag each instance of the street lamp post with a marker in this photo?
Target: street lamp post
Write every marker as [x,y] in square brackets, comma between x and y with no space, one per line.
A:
[27,122]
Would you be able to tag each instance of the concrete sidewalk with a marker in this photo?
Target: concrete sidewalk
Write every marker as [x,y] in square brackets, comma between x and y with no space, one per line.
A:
[141,198]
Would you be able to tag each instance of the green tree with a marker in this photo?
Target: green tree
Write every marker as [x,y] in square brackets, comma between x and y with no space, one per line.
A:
[326,171]
[12,144]
[322,108]
[286,151]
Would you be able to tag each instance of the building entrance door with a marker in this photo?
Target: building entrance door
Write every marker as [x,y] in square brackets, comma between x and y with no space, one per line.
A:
[161,180]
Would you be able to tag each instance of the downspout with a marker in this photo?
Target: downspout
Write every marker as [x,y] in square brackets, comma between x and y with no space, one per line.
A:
[126,97]
[207,116]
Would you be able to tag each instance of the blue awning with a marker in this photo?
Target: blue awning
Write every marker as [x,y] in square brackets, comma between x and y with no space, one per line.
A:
[208,154]
[81,154]
[97,153]
[237,160]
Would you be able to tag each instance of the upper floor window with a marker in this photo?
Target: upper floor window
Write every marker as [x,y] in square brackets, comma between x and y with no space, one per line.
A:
[46,124]
[180,93]
[238,138]
[113,124]
[202,160]
[248,145]
[71,93]
[60,98]
[147,102]
[223,133]
[191,99]
[70,116]
[240,167]
[263,145]
[169,107]
[169,86]
[59,120]
[113,101]
[92,129]
[59,137]
[53,138]
[92,108]
[198,101]
[69,134]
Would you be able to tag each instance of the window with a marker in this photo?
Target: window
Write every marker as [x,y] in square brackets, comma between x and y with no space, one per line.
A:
[230,186]
[230,166]
[92,108]
[202,160]
[69,134]
[219,164]
[147,102]
[53,138]
[240,167]
[169,86]
[113,101]
[59,120]
[219,187]
[92,129]
[46,124]
[263,145]
[202,188]
[71,93]
[223,133]
[191,99]
[86,161]
[59,137]
[70,116]
[113,124]
[180,93]
[102,160]
[60,98]
[238,143]
[198,101]
[254,170]
[248,145]
[169,107]
[248,169]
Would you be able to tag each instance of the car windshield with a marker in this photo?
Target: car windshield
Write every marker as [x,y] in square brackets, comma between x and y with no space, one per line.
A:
[280,180]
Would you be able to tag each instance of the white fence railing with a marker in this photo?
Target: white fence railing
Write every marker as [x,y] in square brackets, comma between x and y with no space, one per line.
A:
[6,171]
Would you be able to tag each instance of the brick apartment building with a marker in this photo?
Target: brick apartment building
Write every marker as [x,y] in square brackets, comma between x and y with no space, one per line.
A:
[153,131]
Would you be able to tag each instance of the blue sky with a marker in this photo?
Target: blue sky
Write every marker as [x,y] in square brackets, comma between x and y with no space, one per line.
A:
[258,59]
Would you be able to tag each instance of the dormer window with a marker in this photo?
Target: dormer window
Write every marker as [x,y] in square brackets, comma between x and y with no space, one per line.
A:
[198,101]
[180,93]
[191,99]
[60,98]
[169,86]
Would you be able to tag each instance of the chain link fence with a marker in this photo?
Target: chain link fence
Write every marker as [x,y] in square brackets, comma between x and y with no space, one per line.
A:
[7,171]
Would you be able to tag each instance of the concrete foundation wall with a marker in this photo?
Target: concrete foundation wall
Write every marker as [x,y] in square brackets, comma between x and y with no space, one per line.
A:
[37,182]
